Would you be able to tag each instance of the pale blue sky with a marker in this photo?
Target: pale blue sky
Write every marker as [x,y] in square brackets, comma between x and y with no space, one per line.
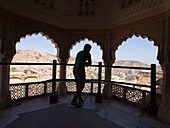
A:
[135,48]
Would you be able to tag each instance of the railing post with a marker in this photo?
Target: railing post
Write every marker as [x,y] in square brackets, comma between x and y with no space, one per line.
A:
[153,108]
[99,78]
[91,90]
[54,77]
[153,84]
[54,96]
[99,97]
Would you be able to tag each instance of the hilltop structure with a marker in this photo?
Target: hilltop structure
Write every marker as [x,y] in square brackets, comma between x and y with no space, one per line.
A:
[66,22]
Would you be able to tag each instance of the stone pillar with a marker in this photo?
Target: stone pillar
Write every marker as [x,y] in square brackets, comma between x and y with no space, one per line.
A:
[5,99]
[108,57]
[62,88]
[63,59]
[107,91]
[164,109]
[164,58]
[7,50]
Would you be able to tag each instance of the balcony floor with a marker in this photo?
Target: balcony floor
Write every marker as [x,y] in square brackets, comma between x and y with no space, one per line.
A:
[39,113]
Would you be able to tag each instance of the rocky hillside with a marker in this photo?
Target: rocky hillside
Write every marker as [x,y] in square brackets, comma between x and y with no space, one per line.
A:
[32,56]
[37,56]
[130,63]
[92,73]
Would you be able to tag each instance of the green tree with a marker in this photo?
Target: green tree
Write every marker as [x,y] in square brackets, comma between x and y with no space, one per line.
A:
[13,69]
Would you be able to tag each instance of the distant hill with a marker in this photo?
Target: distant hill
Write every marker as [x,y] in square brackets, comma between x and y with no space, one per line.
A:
[46,70]
[37,56]
[130,63]
[32,56]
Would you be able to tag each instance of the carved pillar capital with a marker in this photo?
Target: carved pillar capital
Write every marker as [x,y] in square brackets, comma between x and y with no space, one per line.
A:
[108,62]
[63,55]
[63,58]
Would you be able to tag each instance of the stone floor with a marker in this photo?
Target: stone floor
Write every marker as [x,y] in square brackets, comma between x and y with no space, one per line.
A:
[120,113]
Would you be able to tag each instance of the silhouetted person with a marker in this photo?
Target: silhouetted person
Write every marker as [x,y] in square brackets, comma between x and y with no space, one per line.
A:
[83,59]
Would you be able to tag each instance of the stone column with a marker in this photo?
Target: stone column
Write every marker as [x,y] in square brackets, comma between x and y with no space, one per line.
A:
[2,88]
[5,99]
[108,58]
[7,50]
[164,109]
[164,58]
[107,91]
[63,55]
[62,88]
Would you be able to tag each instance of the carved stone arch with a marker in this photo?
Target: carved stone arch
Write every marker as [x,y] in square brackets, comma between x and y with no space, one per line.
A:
[75,42]
[44,35]
[129,35]
[124,38]
[153,30]
[116,40]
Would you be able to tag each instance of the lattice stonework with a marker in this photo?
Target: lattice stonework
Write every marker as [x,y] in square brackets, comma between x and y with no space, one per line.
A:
[49,87]
[57,84]
[118,91]
[17,92]
[134,95]
[95,87]
[87,88]
[36,89]
[71,86]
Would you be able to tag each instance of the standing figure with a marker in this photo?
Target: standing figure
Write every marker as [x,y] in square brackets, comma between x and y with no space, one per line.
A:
[83,59]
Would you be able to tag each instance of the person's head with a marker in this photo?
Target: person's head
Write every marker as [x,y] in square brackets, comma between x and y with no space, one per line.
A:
[87,47]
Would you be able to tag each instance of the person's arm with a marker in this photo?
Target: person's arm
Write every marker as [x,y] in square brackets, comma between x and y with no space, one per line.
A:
[89,62]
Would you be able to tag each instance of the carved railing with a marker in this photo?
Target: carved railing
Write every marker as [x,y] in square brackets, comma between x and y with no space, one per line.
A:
[127,91]
[25,90]
[132,93]
[120,90]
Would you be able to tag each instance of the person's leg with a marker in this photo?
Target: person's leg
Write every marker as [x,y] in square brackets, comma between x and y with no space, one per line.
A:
[76,78]
[74,100]
[80,82]
[81,85]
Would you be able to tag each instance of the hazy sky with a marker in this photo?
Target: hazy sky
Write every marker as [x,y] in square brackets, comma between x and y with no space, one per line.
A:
[135,48]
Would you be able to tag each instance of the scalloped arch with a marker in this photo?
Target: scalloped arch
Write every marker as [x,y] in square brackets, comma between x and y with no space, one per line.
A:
[78,42]
[44,35]
[137,35]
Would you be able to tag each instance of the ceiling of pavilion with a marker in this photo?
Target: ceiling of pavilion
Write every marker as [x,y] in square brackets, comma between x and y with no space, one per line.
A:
[84,13]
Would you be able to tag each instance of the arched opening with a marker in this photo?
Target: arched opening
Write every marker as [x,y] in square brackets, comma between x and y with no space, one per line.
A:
[91,72]
[35,48]
[137,52]
[96,55]
[138,49]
